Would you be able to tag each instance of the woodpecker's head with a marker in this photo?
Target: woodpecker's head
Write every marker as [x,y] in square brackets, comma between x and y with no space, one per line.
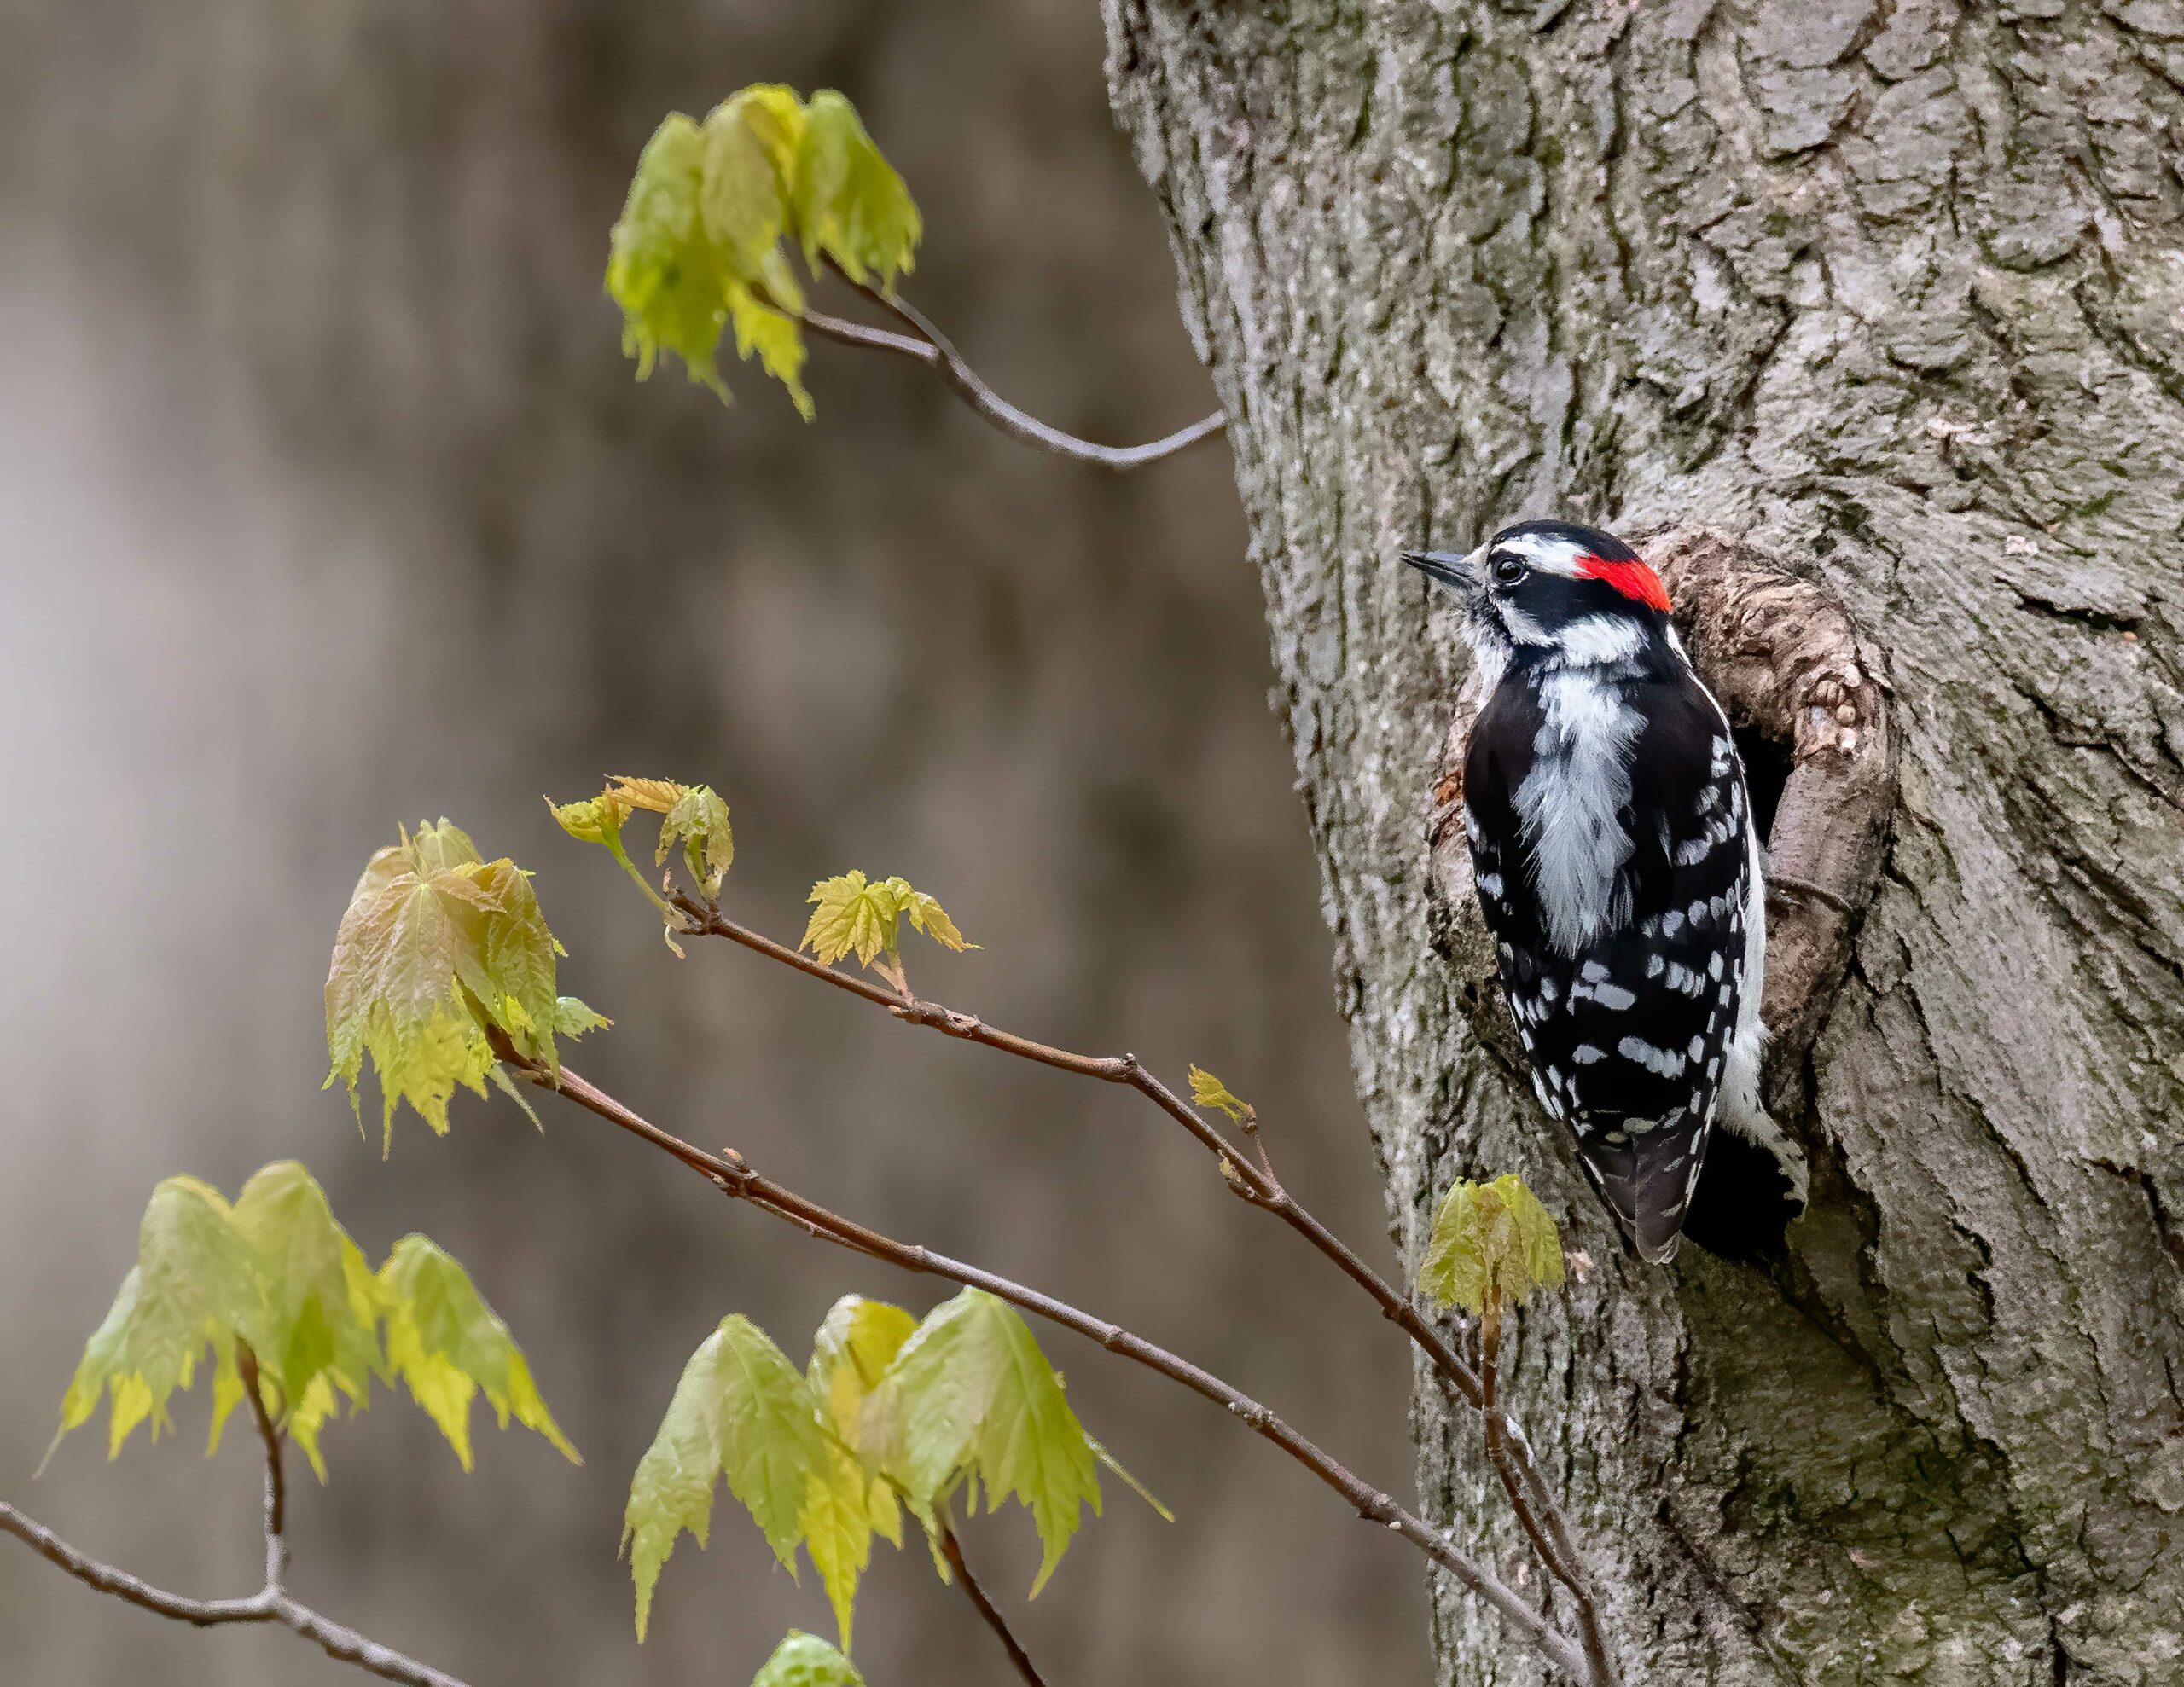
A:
[1547,591]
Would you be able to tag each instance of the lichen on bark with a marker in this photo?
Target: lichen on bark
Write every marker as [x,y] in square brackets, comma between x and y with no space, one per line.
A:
[1895,291]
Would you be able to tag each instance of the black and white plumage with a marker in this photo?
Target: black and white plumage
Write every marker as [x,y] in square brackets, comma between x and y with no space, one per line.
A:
[1616,863]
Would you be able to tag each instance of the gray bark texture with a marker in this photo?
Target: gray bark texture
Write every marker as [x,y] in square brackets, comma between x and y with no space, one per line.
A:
[1893,294]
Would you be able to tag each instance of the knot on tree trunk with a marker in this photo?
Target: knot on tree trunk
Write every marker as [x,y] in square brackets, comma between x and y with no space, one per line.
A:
[1809,712]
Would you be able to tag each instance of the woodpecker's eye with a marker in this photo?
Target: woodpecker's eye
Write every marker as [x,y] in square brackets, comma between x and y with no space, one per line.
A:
[1507,569]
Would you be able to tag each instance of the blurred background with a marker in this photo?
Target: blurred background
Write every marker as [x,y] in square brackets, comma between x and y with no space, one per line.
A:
[326,501]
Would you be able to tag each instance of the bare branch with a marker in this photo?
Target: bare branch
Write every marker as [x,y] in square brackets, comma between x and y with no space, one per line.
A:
[926,345]
[268,1605]
[952,1549]
[736,1179]
[1544,1527]
[1250,1176]
[276,1486]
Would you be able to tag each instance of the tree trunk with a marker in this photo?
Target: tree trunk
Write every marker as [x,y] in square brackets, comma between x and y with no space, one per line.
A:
[1894,293]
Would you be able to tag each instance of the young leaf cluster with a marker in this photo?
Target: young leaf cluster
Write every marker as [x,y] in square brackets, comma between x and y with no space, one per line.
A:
[692,816]
[700,245]
[853,915]
[891,1414]
[275,1276]
[1491,1244]
[1209,1091]
[438,949]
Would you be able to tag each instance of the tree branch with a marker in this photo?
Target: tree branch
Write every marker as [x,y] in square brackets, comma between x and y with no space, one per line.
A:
[268,1605]
[1251,1178]
[952,1549]
[926,345]
[1544,1529]
[277,1485]
[735,1178]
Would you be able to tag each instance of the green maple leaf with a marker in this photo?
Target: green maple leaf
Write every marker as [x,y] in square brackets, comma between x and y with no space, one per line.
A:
[751,140]
[196,1280]
[698,246]
[662,267]
[438,946]
[854,915]
[1490,1242]
[836,1524]
[698,820]
[849,202]
[275,1274]
[741,1411]
[322,1329]
[805,1660]
[850,1354]
[446,1345]
[973,1397]
[573,1018]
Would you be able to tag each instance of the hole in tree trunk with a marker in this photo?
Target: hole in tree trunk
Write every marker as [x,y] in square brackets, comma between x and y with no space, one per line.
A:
[1742,1207]
[1767,764]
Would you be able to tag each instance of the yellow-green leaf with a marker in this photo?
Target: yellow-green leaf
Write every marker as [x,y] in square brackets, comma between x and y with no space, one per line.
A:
[850,1355]
[854,915]
[573,1018]
[855,1344]
[770,1439]
[505,956]
[928,916]
[322,1302]
[673,1489]
[195,1280]
[391,994]
[743,192]
[742,1410]
[837,1526]
[805,1660]
[662,268]
[773,338]
[698,820]
[1491,1241]
[435,947]
[630,792]
[849,202]
[440,847]
[1208,1091]
[975,1398]
[446,1344]
[849,916]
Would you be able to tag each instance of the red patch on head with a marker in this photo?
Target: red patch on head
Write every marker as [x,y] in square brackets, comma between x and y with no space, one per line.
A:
[1633,579]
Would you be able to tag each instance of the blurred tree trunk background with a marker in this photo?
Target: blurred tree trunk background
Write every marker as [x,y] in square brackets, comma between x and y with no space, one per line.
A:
[328,501]
[1894,290]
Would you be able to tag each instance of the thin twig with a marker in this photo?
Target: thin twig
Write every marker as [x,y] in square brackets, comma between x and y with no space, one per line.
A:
[952,1549]
[926,345]
[277,1485]
[1253,1179]
[1544,1529]
[268,1605]
[735,1178]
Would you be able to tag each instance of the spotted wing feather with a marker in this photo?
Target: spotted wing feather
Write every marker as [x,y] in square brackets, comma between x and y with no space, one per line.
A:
[1626,1031]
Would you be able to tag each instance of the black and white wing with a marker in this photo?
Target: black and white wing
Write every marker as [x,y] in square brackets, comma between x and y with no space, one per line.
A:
[1630,1030]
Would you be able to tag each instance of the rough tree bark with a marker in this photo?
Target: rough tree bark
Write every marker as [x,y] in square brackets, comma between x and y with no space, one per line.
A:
[1896,292]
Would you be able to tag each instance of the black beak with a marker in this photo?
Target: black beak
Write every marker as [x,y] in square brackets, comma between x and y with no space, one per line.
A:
[1446,566]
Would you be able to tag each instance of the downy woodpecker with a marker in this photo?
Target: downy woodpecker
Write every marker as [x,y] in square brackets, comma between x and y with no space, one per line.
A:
[1617,861]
